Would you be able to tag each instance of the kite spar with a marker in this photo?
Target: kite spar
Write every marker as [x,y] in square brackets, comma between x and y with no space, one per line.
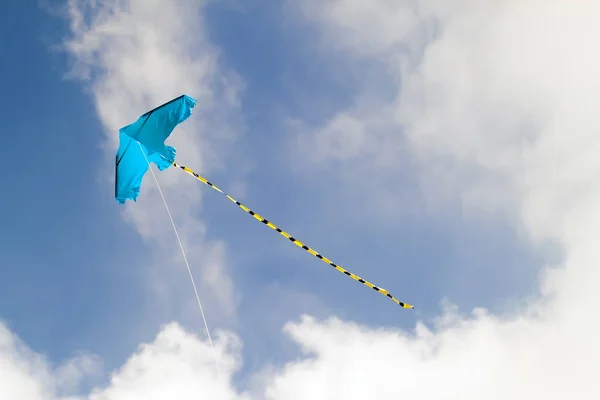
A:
[143,141]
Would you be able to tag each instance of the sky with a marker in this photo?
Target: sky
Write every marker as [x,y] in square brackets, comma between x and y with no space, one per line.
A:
[442,149]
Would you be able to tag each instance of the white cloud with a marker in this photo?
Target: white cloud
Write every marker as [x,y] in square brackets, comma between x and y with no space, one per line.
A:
[520,357]
[497,101]
[134,55]
[495,73]
[26,375]
[477,110]
[175,365]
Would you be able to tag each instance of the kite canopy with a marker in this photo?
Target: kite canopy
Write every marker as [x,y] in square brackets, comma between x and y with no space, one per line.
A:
[146,137]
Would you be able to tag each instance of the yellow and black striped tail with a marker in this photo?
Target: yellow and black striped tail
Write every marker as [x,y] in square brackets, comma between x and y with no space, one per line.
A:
[294,240]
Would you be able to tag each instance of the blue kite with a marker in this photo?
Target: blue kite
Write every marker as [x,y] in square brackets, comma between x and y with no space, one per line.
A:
[144,141]
[147,135]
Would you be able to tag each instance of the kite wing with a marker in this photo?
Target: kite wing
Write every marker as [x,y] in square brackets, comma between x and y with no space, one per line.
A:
[145,138]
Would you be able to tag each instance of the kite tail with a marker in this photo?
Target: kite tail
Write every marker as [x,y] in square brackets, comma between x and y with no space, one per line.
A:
[294,240]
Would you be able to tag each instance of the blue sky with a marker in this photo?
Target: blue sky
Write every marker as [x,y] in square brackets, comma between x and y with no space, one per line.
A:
[68,227]
[77,273]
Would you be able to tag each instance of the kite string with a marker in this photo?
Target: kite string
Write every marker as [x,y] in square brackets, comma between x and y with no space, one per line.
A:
[184,259]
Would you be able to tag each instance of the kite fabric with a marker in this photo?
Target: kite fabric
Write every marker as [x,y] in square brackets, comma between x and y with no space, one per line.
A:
[147,135]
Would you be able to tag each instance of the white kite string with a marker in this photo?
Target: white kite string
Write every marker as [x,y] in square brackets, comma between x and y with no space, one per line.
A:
[185,259]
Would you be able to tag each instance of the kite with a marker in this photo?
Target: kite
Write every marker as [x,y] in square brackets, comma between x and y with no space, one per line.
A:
[143,142]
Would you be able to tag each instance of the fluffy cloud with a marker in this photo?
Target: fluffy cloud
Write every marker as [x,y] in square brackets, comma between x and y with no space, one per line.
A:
[130,66]
[175,365]
[490,96]
[496,102]
[30,376]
